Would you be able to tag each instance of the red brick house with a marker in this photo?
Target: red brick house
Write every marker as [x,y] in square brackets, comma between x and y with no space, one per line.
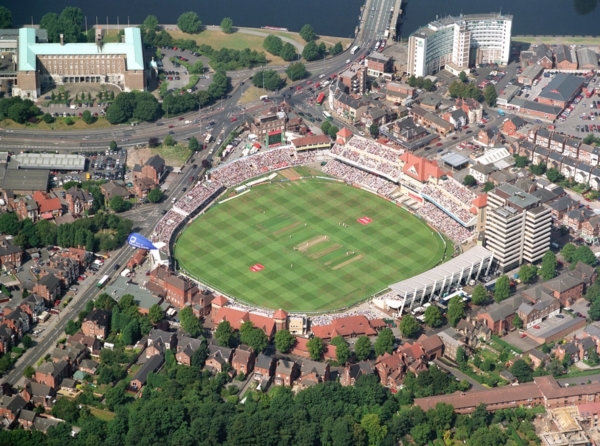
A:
[52,373]
[313,373]
[243,360]
[512,125]
[78,200]
[10,253]
[186,347]
[97,323]
[10,407]
[567,288]
[81,256]
[237,317]
[432,346]
[49,288]
[38,394]
[351,326]
[565,59]
[152,365]
[286,372]
[264,367]
[300,348]
[218,357]
[354,371]
[179,291]
[148,176]
[49,207]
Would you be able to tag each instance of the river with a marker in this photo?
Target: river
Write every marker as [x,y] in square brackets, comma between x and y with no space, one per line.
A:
[328,17]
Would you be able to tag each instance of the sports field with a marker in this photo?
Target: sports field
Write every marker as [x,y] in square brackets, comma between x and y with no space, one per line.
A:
[306,245]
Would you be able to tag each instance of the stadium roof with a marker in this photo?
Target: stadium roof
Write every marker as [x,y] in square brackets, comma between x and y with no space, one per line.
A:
[441,274]
[29,49]
[52,161]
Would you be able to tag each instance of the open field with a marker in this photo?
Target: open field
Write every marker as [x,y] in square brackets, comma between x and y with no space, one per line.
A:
[554,40]
[298,246]
[175,155]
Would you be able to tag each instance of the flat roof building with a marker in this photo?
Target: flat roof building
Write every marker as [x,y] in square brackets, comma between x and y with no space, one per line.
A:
[53,161]
[460,42]
[41,65]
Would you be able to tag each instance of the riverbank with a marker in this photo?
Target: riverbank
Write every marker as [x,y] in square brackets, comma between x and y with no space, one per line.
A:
[566,40]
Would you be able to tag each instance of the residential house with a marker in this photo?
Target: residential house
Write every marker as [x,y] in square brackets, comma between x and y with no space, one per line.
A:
[569,351]
[88,366]
[52,373]
[38,394]
[80,255]
[72,354]
[264,367]
[26,207]
[378,64]
[482,172]
[472,108]
[111,190]
[97,323]
[10,406]
[168,339]
[429,120]
[186,347]
[586,273]
[475,332]
[300,348]
[452,340]
[458,118]
[512,125]
[49,287]
[237,317]
[92,343]
[27,418]
[313,373]
[559,208]
[243,360]
[538,358]
[351,326]
[48,207]
[391,370]
[153,169]
[565,58]
[78,200]
[286,372]
[152,365]
[354,371]
[10,254]
[218,356]
[432,346]
[567,288]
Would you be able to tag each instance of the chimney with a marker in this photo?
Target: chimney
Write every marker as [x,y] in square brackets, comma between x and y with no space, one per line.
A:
[62,39]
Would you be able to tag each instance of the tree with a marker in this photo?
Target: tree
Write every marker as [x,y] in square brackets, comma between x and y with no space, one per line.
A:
[585,255]
[5,18]
[116,396]
[592,356]
[469,180]
[463,76]
[594,311]
[315,348]
[517,321]
[269,79]
[273,44]
[151,23]
[433,316]
[72,327]
[538,169]
[325,126]
[224,334]
[372,426]
[296,71]
[362,348]
[156,314]
[131,332]
[118,204]
[556,368]
[27,341]
[521,370]
[87,117]
[113,145]
[336,49]
[197,68]
[288,52]
[308,33]
[153,142]
[342,349]
[374,130]
[502,288]
[189,22]
[384,342]
[28,372]
[169,141]
[593,292]
[527,273]
[490,95]
[568,252]
[456,310]
[521,161]
[227,25]
[48,118]
[479,295]
[254,337]
[155,195]
[422,434]
[200,355]
[284,341]
[409,326]
[193,144]
[554,175]
[548,269]
[190,323]
[332,132]
[311,51]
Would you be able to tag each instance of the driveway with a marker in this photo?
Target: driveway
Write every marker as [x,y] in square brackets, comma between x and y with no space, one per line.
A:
[460,375]
[525,344]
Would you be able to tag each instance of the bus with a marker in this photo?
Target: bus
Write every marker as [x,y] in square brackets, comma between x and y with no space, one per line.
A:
[207,139]
[501,112]
[327,115]
[320,98]
[102,282]
[354,49]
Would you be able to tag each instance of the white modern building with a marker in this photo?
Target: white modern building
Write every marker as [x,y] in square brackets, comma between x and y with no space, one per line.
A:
[456,43]
[517,227]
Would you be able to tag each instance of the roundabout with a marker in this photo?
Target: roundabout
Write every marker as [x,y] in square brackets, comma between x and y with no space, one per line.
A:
[306,245]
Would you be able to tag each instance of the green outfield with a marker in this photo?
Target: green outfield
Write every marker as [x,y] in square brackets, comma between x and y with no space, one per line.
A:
[299,246]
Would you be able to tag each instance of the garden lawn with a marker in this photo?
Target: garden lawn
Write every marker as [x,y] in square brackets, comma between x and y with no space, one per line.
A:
[309,261]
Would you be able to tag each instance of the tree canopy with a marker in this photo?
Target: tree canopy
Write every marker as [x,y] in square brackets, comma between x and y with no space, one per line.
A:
[315,348]
[548,269]
[189,22]
[433,316]
[288,52]
[224,334]
[308,33]
[490,95]
[269,79]
[296,71]
[155,195]
[284,341]
[190,323]
[384,342]
[363,348]
[479,294]
[502,288]
[456,310]
[409,326]
[226,25]
[273,44]
[5,18]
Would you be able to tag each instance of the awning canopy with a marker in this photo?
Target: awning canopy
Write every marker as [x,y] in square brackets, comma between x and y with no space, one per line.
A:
[454,159]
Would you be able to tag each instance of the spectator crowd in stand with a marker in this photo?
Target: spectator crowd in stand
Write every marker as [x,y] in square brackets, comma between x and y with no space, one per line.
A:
[444,223]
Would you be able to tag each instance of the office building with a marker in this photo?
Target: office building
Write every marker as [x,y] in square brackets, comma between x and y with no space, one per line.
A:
[517,227]
[44,65]
[459,42]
